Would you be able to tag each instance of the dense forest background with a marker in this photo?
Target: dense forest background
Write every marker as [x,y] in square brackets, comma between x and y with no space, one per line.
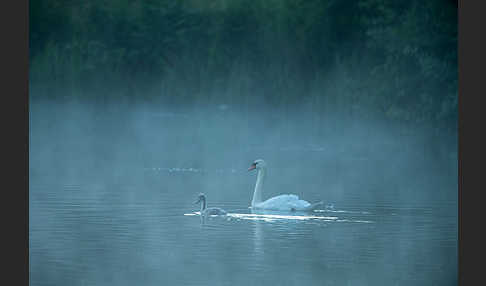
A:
[349,73]
[395,58]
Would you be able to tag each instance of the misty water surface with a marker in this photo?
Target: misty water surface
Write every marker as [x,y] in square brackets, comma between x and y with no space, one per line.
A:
[112,191]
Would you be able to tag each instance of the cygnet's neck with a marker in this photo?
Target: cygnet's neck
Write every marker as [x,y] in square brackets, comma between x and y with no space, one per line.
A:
[203,204]
[257,194]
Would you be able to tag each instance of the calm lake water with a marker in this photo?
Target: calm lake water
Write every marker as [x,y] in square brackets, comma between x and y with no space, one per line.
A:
[142,233]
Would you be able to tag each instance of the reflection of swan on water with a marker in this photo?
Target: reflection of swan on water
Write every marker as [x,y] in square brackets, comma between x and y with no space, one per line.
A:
[279,203]
[208,211]
[258,246]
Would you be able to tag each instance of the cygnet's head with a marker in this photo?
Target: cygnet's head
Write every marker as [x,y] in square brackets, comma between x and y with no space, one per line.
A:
[257,164]
[200,198]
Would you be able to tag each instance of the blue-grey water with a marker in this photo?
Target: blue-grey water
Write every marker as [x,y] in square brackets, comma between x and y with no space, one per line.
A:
[112,192]
[114,231]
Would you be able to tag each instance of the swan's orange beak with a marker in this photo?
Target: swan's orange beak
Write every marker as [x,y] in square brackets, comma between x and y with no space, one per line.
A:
[252,167]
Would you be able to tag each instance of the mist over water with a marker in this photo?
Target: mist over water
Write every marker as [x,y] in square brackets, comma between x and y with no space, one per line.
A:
[112,191]
[352,158]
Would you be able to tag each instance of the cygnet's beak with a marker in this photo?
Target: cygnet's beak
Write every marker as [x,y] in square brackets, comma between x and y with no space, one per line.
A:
[198,201]
[252,167]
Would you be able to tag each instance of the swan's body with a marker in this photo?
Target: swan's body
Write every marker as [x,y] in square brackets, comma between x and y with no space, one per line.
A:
[208,211]
[285,203]
[280,203]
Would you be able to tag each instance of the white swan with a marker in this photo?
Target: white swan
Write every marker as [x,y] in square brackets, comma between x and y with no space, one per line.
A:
[208,211]
[279,203]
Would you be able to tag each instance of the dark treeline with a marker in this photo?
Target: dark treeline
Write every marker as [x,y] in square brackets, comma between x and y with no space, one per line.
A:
[393,60]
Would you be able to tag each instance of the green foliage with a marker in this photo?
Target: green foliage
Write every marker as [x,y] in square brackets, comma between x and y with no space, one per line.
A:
[394,58]
[419,62]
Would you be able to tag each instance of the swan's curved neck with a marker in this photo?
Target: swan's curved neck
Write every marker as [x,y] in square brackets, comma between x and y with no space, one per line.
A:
[257,194]
[203,204]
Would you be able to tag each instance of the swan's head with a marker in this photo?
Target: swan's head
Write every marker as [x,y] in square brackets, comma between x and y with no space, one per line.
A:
[257,164]
[200,198]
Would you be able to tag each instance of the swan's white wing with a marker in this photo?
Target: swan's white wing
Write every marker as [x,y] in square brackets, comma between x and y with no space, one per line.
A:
[284,203]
